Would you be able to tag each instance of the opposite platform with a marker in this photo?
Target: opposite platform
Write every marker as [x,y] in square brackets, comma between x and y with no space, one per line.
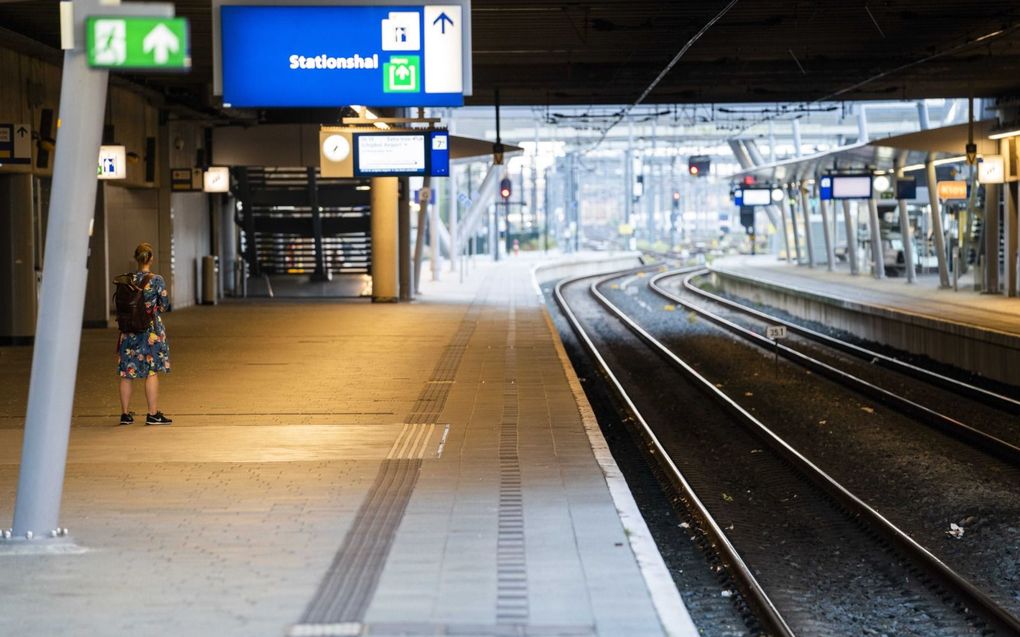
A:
[342,469]
[973,331]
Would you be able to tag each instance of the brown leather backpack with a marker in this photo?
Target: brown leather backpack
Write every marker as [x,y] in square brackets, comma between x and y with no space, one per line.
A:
[129,299]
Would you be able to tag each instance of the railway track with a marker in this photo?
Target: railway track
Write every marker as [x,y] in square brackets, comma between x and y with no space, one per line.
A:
[749,324]
[806,554]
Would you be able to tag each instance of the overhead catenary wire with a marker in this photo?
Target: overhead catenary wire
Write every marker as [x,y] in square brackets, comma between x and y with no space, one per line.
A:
[664,72]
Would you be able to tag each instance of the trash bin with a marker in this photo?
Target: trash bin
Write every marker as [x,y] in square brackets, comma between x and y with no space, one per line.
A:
[210,276]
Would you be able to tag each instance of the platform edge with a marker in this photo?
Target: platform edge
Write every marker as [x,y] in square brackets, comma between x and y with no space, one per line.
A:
[670,607]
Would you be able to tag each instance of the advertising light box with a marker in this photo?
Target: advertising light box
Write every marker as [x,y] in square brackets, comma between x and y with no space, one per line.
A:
[328,56]
[851,186]
[757,197]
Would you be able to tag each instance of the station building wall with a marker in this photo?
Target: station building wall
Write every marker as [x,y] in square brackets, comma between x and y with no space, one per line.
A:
[138,208]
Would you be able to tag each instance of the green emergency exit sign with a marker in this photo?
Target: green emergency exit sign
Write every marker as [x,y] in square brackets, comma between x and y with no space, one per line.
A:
[137,43]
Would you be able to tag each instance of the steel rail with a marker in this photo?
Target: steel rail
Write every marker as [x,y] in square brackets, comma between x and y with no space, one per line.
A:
[752,590]
[981,440]
[986,396]
[975,598]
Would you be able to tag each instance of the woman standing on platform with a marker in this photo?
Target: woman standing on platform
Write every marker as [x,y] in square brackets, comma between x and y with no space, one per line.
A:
[142,349]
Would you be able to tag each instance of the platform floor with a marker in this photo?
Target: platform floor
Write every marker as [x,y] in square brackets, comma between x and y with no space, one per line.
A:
[341,468]
[964,306]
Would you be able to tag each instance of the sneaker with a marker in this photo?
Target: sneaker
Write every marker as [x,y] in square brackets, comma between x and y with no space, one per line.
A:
[157,419]
[127,419]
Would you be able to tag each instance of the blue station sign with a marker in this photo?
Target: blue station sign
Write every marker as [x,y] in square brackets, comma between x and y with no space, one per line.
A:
[325,56]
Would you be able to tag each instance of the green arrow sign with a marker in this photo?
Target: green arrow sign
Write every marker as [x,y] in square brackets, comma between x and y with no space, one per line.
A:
[137,43]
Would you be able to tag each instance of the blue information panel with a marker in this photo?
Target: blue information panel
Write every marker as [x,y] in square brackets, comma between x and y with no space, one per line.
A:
[297,56]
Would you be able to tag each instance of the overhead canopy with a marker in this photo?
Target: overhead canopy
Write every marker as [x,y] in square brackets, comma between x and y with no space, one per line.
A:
[471,148]
[880,154]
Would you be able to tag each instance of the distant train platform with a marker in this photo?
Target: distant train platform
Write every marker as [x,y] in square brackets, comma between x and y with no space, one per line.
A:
[341,468]
[965,328]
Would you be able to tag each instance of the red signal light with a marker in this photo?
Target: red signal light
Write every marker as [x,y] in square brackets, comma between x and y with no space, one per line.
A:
[694,170]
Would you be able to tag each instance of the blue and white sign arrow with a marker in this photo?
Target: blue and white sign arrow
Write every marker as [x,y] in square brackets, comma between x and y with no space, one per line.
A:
[442,20]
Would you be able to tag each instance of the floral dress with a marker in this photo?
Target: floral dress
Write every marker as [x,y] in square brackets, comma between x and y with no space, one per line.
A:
[143,354]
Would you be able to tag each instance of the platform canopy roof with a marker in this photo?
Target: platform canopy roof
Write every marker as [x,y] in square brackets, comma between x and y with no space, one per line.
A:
[879,154]
[545,52]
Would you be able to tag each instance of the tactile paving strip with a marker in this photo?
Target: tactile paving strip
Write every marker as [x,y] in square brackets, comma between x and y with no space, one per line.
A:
[511,569]
[350,583]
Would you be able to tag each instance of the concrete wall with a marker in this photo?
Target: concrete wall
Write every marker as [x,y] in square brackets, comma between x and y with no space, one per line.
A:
[138,208]
[991,354]
[191,242]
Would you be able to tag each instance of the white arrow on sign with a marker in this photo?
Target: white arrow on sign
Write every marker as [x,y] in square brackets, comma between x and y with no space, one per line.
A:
[161,42]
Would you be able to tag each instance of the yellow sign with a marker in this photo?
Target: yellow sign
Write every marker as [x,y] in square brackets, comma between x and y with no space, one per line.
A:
[626,229]
[952,190]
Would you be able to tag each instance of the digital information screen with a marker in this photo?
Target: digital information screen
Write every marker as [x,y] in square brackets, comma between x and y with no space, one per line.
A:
[851,186]
[402,154]
[389,154]
[757,196]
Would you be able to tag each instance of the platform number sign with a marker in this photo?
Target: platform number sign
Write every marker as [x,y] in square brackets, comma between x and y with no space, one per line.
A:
[775,332]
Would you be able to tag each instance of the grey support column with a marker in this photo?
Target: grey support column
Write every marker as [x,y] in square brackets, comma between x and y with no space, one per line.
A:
[830,253]
[313,201]
[384,240]
[62,299]
[877,250]
[906,233]
[454,224]
[936,223]
[1011,221]
[433,210]
[851,238]
[990,229]
[785,231]
[805,207]
[404,239]
[793,227]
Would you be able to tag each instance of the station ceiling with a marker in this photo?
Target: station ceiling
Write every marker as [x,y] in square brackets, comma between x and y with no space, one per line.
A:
[558,52]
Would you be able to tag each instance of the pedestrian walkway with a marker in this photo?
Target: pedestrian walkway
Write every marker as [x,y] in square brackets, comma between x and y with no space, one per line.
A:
[342,468]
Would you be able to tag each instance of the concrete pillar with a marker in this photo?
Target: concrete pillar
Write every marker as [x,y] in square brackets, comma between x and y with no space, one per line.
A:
[793,228]
[1010,219]
[97,289]
[451,197]
[877,250]
[785,231]
[17,260]
[805,207]
[62,296]
[433,205]
[404,239]
[851,238]
[384,239]
[990,229]
[906,233]
[796,137]
[936,223]
[862,124]
[830,253]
